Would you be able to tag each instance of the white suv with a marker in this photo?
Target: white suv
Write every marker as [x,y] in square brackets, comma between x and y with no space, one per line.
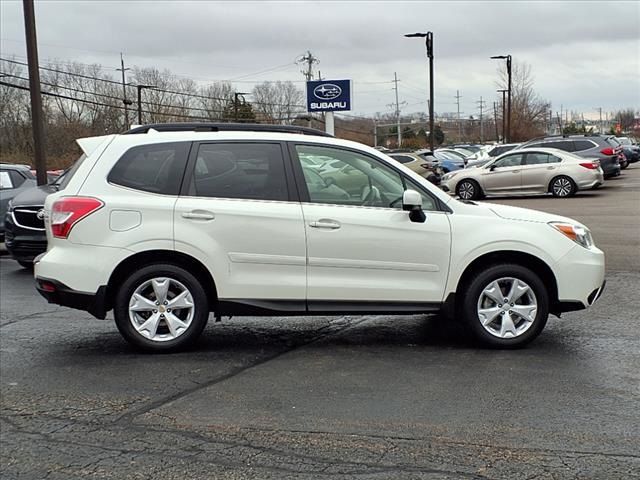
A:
[167,223]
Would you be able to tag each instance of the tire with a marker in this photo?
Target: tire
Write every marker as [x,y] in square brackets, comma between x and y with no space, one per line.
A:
[27,265]
[562,187]
[167,329]
[505,326]
[468,190]
[624,164]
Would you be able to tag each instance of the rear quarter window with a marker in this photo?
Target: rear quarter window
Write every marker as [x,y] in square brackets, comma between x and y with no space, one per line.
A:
[583,145]
[157,168]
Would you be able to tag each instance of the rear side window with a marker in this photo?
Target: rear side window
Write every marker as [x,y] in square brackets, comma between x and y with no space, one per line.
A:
[583,145]
[240,170]
[17,178]
[566,145]
[156,168]
[5,180]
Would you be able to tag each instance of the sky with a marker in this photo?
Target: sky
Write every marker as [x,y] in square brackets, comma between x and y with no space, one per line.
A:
[583,55]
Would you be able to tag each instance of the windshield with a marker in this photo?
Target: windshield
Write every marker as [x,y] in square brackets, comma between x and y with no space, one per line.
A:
[624,141]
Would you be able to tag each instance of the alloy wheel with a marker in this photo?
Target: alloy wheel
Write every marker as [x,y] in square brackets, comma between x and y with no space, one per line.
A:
[466,190]
[562,187]
[507,307]
[161,309]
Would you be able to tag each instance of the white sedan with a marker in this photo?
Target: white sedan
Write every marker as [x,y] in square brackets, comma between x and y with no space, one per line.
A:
[527,171]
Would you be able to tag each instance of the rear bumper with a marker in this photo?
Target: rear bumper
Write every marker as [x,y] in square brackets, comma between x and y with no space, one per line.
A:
[58,293]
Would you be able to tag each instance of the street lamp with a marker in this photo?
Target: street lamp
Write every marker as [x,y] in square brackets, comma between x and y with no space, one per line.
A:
[140,88]
[508,59]
[503,118]
[429,44]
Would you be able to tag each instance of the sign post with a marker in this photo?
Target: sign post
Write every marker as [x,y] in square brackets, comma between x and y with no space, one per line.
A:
[329,96]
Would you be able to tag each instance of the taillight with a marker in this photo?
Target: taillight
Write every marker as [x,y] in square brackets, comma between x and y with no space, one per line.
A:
[590,165]
[68,211]
[607,151]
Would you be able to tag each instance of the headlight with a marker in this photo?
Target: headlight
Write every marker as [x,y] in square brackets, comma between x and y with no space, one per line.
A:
[580,235]
[449,176]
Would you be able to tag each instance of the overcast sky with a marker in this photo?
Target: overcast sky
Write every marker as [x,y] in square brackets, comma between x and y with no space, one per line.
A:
[583,55]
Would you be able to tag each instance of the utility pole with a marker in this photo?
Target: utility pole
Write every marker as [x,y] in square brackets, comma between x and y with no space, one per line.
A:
[124,92]
[310,60]
[375,133]
[495,120]
[458,97]
[140,88]
[601,126]
[395,81]
[481,103]
[37,121]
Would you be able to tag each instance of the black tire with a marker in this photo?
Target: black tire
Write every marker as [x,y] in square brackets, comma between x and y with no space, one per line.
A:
[27,265]
[562,187]
[173,272]
[624,164]
[471,294]
[468,190]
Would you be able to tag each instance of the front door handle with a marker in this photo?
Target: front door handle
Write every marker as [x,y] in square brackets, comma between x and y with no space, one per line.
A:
[515,171]
[551,168]
[200,215]
[328,224]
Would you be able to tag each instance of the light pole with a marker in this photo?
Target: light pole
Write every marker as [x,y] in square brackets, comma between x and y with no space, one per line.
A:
[508,59]
[503,116]
[140,88]
[428,36]
[235,103]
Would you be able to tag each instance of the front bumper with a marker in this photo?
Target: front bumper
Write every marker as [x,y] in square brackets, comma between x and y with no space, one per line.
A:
[60,294]
[24,244]
[580,279]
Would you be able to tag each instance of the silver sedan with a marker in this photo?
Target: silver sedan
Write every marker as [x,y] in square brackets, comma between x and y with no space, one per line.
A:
[527,171]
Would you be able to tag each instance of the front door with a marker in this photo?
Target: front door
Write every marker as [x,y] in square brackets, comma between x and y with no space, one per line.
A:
[503,175]
[238,219]
[361,246]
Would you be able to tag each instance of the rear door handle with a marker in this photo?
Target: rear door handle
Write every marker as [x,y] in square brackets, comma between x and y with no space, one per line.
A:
[515,171]
[328,224]
[198,215]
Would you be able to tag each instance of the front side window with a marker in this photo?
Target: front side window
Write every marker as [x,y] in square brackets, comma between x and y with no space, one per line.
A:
[512,160]
[16,178]
[253,171]
[356,179]
[156,168]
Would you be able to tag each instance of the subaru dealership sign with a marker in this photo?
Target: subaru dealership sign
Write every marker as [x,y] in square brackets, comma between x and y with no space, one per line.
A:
[328,95]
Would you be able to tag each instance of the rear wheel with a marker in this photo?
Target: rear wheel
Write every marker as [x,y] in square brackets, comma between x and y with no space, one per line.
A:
[563,186]
[27,265]
[624,164]
[505,306]
[468,190]
[161,308]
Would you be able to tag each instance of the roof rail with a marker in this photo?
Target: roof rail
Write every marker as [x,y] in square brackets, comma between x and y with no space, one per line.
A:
[225,127]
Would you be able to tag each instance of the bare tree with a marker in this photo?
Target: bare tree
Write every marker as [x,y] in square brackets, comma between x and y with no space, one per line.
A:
[277,102]
[214,98]
[528,110]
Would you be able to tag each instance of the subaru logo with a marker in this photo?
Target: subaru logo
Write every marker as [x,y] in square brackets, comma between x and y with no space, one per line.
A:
[40,214]
[327,91]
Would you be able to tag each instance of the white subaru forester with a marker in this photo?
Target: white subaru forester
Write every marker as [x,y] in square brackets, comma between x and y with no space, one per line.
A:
[167,223]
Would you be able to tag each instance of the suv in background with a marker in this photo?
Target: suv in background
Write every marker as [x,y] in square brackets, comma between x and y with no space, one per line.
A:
[167,223]
[602,147]
[13,180]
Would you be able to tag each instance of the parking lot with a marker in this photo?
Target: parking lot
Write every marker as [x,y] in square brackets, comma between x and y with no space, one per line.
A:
[333,397]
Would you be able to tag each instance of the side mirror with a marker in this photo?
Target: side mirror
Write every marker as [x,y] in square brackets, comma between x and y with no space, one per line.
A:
[412,202]
[492,167]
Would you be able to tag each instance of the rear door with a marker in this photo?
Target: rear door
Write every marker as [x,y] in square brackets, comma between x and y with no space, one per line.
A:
[239,216]
[363,251]
[504,175]
[537,171]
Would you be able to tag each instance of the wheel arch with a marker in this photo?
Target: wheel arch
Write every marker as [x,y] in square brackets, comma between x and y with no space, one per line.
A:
[535,264]
[147,257]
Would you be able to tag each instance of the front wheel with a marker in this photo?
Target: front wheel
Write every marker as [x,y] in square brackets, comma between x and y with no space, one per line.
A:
[468,190]
[161,308]
[505,306]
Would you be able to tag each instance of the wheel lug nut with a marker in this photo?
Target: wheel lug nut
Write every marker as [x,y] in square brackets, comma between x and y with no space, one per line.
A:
[499,305]
[168,310]
[157,303]
[512,304]
[155,311]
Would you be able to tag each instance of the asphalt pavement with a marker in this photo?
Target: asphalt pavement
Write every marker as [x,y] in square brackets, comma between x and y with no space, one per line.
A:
[370,397]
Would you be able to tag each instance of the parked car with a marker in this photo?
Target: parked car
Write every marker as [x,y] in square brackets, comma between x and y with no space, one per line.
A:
[502,148]
[165,227]
[526,171]
[603,147]
[631,151]
[422,166]
[25,236]
[453,153]
[13,180]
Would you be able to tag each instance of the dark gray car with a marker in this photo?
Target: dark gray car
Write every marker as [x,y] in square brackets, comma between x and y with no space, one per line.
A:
[602,147]
[13,180]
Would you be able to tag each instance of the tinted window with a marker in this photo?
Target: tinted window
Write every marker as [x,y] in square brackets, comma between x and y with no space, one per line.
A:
[512,160]
[566,145]
[16,178]
[240,170]
[582,145]
[156,168]
[538,158]
[402,158]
